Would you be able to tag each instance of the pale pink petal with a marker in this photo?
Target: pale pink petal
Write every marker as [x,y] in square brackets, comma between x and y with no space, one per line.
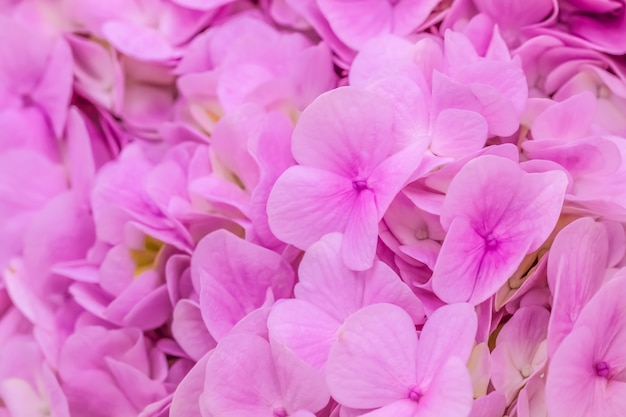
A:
[301,386]
[448,333]
[373,361]
[395,172]
[327,283]
[305,329]
[236,277]
[400,408]
[490,405]
[300,212]
[449,392]
[361,235]
[355,22]
[143,43]
[567,120]
[242,380]
[331,135]
[189,330]
[186,399]
[458,133]
[408,15]
[575,273]
[521,350]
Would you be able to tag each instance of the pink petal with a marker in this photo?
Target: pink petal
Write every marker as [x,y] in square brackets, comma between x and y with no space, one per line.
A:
[449,392]
[189,330]
[301,387]
[567,120]
[242,378]
[186,399]
[575,273]
[331,135]
[458,133]
[409,15]
[355,22]
[361,234]
[328,284]
[520,350]
[305,329]
[448,333]
[236,277]
[143,43]
[300,212]
[373,361]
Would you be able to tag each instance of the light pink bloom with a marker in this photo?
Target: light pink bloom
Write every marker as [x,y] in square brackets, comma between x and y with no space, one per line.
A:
[378,362]
[354,161]
[495,214]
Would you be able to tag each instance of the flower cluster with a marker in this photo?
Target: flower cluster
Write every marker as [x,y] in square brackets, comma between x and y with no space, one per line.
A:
[312,208]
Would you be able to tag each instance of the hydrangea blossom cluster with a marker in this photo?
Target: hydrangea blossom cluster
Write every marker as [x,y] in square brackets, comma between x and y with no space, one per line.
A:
[312,208]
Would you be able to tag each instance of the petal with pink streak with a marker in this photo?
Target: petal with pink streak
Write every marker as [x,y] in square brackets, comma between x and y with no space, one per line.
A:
[372,364]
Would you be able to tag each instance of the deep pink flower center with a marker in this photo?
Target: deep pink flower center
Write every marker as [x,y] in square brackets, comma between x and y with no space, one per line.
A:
[490,241]
[415,394]
[27,100]
[603,369]
[280,412]
[359,185]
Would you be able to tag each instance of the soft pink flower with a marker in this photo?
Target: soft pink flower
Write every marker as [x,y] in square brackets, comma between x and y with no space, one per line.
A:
[354,160]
